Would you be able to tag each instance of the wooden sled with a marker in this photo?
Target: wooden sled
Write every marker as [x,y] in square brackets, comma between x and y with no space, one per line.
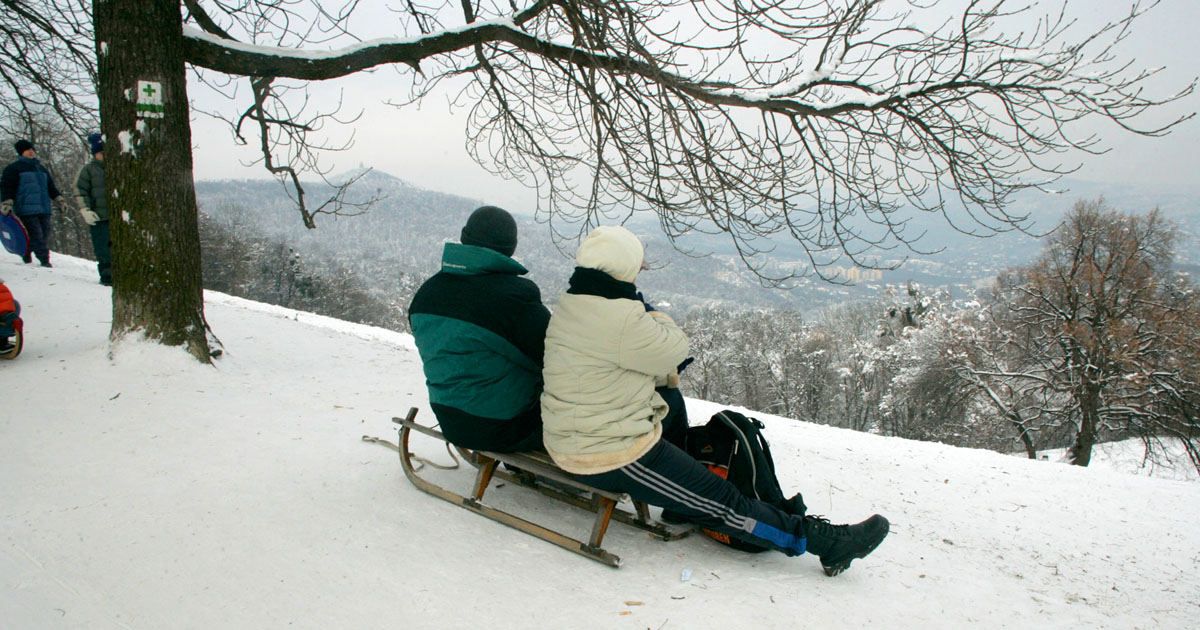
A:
[539,474]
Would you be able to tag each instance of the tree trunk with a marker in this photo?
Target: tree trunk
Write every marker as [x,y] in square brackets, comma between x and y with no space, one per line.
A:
[157,290]
[1089,424]
[1023,435]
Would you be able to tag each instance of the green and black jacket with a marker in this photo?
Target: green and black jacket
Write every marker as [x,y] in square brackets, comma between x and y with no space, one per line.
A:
[89,185]
[480,329]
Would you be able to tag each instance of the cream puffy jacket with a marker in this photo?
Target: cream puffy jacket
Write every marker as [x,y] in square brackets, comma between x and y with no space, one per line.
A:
[604,357]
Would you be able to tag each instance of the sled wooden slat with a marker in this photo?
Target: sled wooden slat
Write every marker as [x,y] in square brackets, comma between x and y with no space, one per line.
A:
[540,464]
[535,466]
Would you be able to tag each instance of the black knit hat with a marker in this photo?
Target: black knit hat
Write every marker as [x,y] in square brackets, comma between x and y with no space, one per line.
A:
[493,228]
[22,146]
[96,143]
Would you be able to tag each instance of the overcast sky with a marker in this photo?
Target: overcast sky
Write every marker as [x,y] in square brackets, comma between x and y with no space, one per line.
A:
[425,146]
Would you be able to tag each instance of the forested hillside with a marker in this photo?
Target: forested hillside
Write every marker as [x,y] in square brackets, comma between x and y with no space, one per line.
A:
[924,352]
[402,235]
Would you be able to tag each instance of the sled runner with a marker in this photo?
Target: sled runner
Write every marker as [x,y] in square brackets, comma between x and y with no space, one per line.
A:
[536,471]
[12,347]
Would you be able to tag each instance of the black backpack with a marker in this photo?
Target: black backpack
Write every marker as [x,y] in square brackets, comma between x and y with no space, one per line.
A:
[732,446]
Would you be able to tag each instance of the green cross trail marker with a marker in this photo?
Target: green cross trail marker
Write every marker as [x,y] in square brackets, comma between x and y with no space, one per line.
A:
[150,103]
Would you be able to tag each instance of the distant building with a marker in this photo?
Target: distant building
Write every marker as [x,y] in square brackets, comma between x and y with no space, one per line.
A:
[858,274]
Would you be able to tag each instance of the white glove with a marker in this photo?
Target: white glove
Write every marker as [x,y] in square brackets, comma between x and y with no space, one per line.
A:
[6,206]
[89,217]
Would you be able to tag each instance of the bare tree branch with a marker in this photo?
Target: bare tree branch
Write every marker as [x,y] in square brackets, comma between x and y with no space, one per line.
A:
[284,130]
[832,122]
[47,63]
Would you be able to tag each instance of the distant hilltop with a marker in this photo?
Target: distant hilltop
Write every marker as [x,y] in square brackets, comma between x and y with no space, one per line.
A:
[404,233]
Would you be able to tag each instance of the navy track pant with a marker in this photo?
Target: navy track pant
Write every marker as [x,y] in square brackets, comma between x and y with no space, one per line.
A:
[37,227]
[668,477]
[101,245]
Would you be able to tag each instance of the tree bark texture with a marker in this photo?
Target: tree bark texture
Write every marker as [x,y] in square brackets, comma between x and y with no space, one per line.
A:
[1089,425]
[157,289]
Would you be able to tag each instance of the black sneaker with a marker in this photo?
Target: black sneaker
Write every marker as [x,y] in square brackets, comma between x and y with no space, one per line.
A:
[46,263]
[838,545]
[27,258]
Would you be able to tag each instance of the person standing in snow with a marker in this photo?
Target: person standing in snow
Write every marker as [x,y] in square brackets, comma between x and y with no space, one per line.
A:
[607,354]
[93,205]
[26,190]
[479,328]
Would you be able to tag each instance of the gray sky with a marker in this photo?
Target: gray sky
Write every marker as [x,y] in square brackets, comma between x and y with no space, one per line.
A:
[425,145]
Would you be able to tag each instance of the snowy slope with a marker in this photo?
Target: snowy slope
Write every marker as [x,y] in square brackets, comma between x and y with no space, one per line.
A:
[143,490]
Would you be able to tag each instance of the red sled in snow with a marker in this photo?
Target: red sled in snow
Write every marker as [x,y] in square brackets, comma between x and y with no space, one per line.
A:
[13,235]
[537,472]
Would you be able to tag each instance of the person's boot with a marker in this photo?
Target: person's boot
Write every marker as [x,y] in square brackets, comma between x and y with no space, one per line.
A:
[838,545]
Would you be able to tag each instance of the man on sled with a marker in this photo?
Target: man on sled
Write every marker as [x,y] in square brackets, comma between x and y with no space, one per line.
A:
[480,329]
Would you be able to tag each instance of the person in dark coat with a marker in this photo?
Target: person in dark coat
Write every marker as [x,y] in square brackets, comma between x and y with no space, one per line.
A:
[480,329]
[26,190]
[93,206]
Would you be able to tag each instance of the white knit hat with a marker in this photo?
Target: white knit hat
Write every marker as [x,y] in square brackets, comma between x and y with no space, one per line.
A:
[613,250]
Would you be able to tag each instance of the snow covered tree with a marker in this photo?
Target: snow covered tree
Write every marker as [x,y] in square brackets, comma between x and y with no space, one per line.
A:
[924,399]
[938,392]
[803,378]
[145,116]
[856,381]
[986,359]
[1104,331]
[829,122]
[707,377]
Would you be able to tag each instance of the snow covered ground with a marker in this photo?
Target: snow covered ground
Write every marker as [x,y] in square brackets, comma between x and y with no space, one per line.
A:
[144,490]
